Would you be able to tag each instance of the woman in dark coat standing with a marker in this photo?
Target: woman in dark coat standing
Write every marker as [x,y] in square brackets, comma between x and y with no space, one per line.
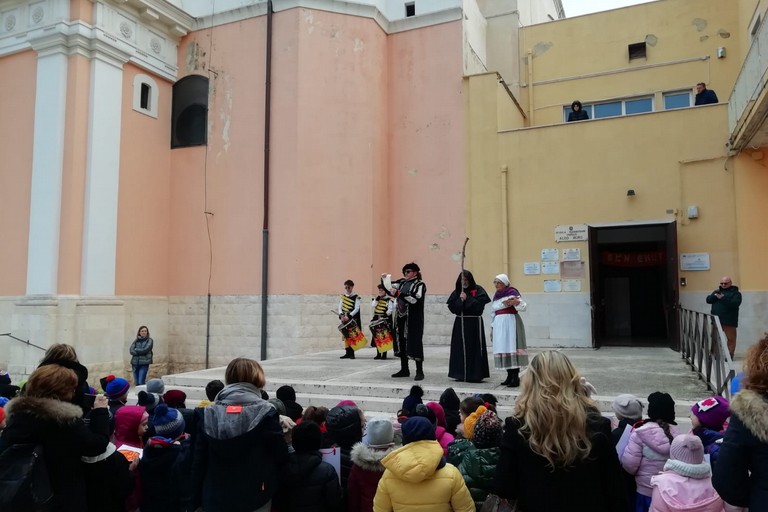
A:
[141,355]
[557,454]
[469,356]
[46,416]
[740,476]
[240,446]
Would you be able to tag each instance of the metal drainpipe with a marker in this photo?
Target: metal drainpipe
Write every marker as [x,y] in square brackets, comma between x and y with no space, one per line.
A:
[265,228]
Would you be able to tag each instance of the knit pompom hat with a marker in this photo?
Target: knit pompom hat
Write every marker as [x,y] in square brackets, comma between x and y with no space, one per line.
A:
[168,422]
[286,393]
[628,407]
[488,431]
[686,457]
[412,400]
[148,400]
[712,412]
[439,413]
[116,387]
[469,423]
[175,398]
[4,377]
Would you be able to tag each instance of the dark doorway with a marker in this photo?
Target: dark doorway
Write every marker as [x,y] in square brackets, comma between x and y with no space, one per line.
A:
[633,280]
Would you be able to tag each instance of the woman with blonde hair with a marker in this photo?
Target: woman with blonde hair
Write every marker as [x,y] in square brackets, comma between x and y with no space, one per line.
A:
[557,452]
[240,445]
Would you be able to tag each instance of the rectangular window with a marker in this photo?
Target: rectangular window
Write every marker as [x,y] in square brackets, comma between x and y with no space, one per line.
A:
[677,100]
[607,109]
[144,102]
[410,9]
[638,106]
[636,51]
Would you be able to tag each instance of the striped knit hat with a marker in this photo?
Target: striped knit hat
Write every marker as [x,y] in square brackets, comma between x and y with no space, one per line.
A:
[168,422]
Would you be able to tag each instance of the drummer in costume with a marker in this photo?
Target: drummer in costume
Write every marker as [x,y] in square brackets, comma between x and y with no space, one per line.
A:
[349,309]
[409,321]
[469,355]
[383,308]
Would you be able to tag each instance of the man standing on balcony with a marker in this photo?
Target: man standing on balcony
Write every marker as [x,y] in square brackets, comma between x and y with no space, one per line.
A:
[725,305]
[705,96]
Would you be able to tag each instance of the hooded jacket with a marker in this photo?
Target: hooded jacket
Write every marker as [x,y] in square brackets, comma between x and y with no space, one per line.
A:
[673,492]
[476,465]
[646,453]
[65,438]
[364,476]
[308,484]
[741,473]
[344,430]
[417,478]
[450,402]
[238,452]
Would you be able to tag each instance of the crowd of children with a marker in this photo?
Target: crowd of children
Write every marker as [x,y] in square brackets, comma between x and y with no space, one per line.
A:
[240,450]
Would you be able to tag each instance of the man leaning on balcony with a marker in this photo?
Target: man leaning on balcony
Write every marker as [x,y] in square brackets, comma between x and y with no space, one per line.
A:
[725,305]
[704,96]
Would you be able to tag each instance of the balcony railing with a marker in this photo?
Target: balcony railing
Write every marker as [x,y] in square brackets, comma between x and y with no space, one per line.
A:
[703,346]
[747,89]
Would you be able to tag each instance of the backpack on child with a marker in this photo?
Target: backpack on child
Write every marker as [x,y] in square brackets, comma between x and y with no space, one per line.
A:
[24,483]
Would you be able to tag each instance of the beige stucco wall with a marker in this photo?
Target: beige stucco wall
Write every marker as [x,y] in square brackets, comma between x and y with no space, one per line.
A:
[17,103]
[674,31]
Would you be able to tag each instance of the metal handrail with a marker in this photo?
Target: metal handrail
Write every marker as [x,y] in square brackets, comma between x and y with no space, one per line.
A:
[704,348]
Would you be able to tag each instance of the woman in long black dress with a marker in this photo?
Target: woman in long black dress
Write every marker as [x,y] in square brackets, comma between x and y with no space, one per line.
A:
[469,357]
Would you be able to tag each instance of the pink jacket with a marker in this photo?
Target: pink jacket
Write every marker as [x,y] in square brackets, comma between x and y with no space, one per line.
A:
[677,493]
[646,453]
[444,438]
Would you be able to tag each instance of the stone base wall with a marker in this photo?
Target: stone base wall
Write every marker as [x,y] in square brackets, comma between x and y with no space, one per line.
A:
[102,329]
[753,321]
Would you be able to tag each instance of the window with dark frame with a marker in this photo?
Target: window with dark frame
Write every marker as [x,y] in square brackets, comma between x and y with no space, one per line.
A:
[637,51]
[410,9]
[145,95]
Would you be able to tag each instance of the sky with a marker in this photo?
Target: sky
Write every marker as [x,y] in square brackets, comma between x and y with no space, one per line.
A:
[579,7]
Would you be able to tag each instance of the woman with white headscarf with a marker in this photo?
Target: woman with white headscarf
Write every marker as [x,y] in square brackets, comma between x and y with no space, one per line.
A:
[507,332]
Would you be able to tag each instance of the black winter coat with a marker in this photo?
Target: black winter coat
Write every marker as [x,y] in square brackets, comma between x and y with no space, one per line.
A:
[593,485]
[727,308]
[344,430]
[58,426]
[238,454]
[740,476]
[165,472]
[630,486]
[307,484]
[109,483]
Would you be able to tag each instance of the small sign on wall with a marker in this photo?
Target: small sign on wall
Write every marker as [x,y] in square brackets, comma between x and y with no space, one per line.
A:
[571,285]
[572,269]
[550,267]
[552,285]
[694,261]
[531,268]
[571,254]
[571,233]
[549,255]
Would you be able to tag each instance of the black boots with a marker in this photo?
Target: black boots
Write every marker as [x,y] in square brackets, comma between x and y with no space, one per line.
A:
[349,353]
[404,371]
[513,378]
[419,370]
[380,355]
[384,355]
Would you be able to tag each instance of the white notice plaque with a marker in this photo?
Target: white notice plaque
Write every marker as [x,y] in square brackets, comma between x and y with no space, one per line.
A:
[571,285]
[571,233]
[552,285]
[531,268]
[549,255]
[694,261]
[571,254]
[550,267]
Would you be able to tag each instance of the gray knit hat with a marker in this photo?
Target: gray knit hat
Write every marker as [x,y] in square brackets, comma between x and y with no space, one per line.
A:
[687,448]
[379,433]
[628,406]
[156,386]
